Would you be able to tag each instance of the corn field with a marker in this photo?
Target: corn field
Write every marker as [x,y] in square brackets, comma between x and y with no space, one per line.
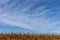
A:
[20,36]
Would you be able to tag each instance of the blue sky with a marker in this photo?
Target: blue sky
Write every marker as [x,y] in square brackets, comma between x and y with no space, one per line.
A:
[30,16]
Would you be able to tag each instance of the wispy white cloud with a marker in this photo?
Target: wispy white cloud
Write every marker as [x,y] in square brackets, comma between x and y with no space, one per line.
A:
[35,19]
[27,22]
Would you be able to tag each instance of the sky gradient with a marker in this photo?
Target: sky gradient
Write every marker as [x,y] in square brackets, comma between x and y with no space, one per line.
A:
[30,16]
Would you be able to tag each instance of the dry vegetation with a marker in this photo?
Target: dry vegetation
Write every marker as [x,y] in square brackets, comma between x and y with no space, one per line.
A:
[19,36]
